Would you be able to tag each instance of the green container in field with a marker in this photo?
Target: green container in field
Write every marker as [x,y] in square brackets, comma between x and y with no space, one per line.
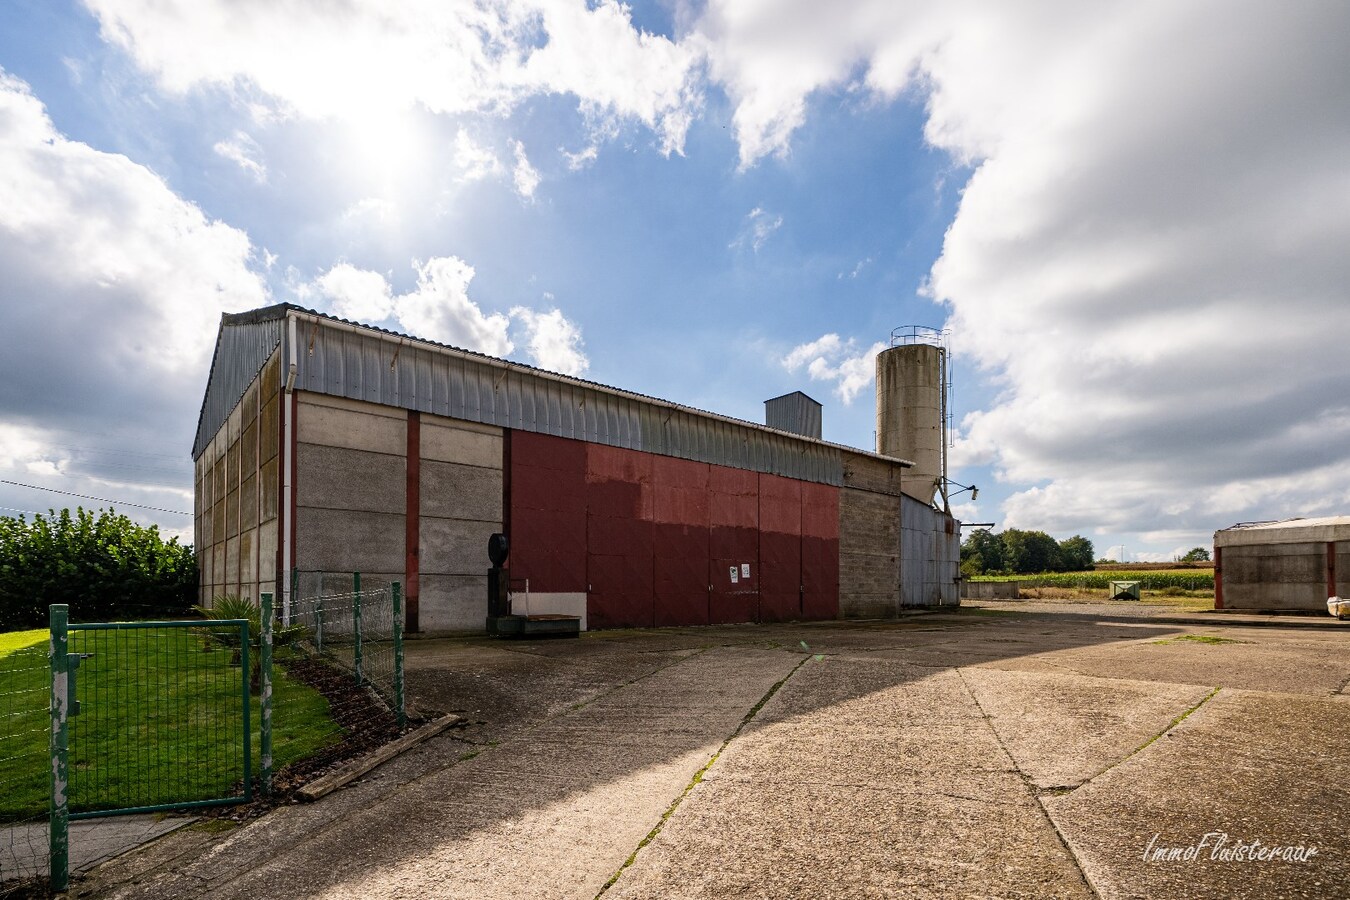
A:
[1122,590]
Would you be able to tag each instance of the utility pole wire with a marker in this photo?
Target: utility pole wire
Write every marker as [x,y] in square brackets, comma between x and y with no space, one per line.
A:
[176,512]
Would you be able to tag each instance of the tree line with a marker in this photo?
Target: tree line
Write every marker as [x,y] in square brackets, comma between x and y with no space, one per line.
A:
[1017,552]
[104,566]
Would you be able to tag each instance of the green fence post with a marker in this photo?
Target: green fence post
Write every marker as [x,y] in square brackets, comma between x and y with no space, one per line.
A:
[244,638]
[59,808]
[265,712]
[291,603]
[356,624]
[399,707]
[318,608]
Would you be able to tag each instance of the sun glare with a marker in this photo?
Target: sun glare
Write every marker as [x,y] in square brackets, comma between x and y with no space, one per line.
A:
[386,151]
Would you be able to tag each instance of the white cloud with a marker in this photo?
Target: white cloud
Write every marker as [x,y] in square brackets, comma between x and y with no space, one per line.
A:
[828,344]
[450,58]
[1148,259]
[581,159]
[439,308]
[862,263]
[759,226]
[25,449]
[553,341]
[967,512]
[475,161]
[525,176]
[110,293]
[356,294]
[369,211]
[594,53]
[243,151]
[98,250]
[830,358]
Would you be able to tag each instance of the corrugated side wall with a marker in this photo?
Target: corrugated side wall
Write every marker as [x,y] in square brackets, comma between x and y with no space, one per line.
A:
[366,366]
[241,351]
[930,546]
[654,540]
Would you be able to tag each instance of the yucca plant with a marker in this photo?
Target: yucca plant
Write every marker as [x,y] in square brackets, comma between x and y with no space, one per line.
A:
[233,606]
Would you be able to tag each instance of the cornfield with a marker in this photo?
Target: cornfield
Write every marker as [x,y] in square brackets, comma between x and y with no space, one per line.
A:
[1187,580]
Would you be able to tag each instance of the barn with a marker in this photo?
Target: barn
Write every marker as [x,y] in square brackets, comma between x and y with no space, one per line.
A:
[326,447]
[1294,564]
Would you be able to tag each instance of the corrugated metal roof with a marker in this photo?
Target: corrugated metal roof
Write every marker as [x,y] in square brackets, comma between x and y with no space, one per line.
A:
[362,362]
[243,344]
[1286,531]
[1299,522]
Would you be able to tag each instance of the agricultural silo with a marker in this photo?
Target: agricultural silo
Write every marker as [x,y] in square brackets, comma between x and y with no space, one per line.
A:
[912,407]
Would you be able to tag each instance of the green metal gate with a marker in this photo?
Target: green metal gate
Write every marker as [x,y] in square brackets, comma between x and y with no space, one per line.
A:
[147,716]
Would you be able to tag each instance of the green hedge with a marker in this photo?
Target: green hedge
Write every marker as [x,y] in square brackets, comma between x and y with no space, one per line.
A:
[104,566]
[1149,581]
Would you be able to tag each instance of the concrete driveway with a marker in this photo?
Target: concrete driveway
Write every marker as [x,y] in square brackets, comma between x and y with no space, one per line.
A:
[1003,751]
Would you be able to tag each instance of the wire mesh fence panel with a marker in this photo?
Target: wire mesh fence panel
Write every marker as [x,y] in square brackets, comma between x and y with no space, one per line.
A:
[161,715]
[354,630]
[337,672]
[25,757]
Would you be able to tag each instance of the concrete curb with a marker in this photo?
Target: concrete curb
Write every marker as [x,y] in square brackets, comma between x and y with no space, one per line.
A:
[1242,618]
[1251,621]
[322,787]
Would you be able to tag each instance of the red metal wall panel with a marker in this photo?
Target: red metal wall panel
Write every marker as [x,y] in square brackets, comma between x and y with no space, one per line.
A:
[780,548]
[547,518]
[733,545]
[679,491]
[620,564]
[820,551]
[681,575]
[653,539]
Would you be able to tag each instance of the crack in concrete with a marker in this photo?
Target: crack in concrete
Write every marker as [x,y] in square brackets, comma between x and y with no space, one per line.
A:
[1344,684]
[1148,743]
[1030,786]
[698,777]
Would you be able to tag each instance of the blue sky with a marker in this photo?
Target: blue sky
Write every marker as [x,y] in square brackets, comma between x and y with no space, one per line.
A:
[1135,236]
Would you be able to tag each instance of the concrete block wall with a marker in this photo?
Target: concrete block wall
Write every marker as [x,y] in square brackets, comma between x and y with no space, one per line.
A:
[355,495]
[460,501]
[350,490]
[989,590]
[1342,552]
[1275,576]
[869,539]
[235,522]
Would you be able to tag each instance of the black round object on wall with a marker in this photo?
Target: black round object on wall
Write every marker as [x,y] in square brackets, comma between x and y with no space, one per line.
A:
[497,549]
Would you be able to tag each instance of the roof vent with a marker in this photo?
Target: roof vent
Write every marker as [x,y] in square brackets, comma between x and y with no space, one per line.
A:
[794,412]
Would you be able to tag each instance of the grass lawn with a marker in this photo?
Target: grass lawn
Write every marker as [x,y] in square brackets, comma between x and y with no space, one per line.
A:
[160,720]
